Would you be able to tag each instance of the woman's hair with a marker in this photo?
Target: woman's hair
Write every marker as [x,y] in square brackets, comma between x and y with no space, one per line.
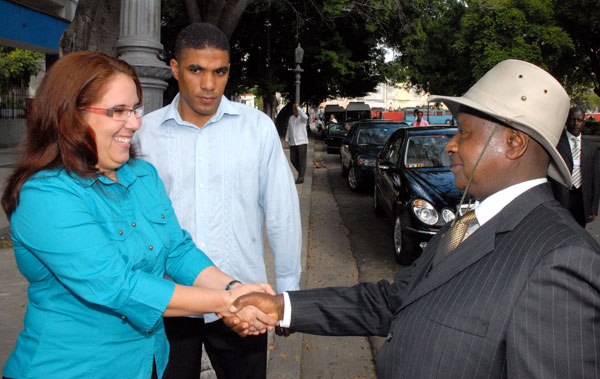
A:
[57,133]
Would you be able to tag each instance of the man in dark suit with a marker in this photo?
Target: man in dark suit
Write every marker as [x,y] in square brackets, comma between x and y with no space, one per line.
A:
[581,156]
[519,296]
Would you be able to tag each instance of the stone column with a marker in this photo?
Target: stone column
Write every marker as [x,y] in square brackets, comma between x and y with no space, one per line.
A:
[139,45]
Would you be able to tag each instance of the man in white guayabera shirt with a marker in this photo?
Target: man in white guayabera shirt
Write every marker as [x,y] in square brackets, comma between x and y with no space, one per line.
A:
[227,176]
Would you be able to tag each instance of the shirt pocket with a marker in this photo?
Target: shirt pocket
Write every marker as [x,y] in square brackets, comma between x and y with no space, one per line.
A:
[120,232]
[158,218]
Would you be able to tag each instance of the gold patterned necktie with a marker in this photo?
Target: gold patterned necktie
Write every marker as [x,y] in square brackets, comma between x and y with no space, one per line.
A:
[576,175]
[452,238]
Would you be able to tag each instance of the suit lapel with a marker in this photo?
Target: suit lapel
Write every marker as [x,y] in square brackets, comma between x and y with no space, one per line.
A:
[479,244]
[564,148]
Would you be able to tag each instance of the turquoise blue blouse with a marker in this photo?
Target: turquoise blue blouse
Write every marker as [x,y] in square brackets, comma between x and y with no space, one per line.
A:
[95,252]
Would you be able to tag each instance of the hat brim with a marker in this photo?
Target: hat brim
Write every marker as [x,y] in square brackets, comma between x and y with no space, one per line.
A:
[557,169]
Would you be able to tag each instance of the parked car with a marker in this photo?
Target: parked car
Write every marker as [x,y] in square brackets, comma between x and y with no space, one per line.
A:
[415,187]
[360,147]
[333,135]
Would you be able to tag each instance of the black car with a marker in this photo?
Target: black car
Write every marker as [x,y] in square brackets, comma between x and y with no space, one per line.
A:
[360,148]
[415,187]
[333,135]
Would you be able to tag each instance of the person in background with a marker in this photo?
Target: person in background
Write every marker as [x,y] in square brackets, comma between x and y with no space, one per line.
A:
[227,176]
[332,118]
[509,290]
[419,120]
[581,156]
[94,232]
[297,139]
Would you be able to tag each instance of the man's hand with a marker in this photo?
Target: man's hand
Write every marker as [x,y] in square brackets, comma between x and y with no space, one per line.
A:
[591,218]
[286,144]
[271,306]
[280,331]
[250,318]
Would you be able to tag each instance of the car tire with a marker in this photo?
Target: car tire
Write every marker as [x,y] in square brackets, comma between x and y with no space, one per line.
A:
[402,246]
[376,206]
[352,179]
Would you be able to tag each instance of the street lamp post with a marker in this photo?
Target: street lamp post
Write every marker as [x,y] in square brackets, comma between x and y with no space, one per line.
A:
[299,54]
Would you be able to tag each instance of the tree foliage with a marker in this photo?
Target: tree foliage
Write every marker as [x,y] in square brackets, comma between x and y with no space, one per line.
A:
[450,44]
[17,66]
[581,20]
[341,42]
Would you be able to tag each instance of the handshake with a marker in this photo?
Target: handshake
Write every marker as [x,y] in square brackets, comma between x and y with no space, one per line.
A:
[255,310]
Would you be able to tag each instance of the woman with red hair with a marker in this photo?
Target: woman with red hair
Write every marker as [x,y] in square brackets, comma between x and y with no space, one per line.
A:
[94,233]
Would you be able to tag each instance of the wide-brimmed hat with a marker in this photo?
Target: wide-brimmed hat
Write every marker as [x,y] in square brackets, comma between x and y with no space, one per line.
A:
[525,97]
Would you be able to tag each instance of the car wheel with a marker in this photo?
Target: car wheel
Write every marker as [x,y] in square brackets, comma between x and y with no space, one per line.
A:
[401,245]
[352,179]
[376,206]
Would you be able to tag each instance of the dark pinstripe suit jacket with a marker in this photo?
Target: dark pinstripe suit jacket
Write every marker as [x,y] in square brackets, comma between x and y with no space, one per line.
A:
[519,298]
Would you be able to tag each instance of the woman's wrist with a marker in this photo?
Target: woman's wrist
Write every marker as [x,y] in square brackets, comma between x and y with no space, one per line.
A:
[231,284]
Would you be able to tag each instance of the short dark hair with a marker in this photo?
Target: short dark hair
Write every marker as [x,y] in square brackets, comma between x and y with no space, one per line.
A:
[576,109]
[201,35]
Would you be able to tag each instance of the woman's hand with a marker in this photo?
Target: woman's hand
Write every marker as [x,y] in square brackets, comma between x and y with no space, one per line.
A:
[250,318]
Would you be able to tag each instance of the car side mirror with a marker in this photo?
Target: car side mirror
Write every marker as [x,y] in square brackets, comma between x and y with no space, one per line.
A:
[384,165]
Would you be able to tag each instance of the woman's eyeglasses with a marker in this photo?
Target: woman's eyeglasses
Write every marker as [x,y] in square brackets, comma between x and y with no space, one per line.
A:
[118,113]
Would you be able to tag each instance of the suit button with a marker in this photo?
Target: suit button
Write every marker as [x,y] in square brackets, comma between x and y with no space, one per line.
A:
[120,232]
[123,318]
[389,336]
[133,224]
[150,247]
[162,216]
[150,331]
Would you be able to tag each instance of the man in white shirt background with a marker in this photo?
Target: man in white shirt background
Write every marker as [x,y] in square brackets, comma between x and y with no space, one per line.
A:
[226,173]
[296,137]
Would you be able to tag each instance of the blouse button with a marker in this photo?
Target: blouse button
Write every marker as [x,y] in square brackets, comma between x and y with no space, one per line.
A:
[120,232]
[150,247]
[133,224]
[162,216]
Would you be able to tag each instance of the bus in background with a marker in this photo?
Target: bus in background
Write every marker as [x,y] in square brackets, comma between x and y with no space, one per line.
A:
[433,116]
[357,110]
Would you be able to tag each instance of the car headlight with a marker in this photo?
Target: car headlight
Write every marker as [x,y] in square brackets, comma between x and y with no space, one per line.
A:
[447,215]
[425,212]
[366,162]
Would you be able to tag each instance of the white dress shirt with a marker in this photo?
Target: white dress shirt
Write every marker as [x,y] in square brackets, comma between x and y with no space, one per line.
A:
[571,138]
[484,211]
[227,180]
[296,131]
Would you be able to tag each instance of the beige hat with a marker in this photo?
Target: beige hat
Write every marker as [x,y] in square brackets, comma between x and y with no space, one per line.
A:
[525,97]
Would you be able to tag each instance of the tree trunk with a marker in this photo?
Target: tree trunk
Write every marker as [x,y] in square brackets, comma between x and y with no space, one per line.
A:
[95,27]
[224,14]
[270,105]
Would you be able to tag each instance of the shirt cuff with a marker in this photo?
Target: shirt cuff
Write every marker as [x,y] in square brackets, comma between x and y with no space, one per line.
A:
[287,311]
[288,283]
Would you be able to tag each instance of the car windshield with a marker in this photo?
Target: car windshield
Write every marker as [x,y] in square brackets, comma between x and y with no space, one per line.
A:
[374,135]
[337,129]
[427,151]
